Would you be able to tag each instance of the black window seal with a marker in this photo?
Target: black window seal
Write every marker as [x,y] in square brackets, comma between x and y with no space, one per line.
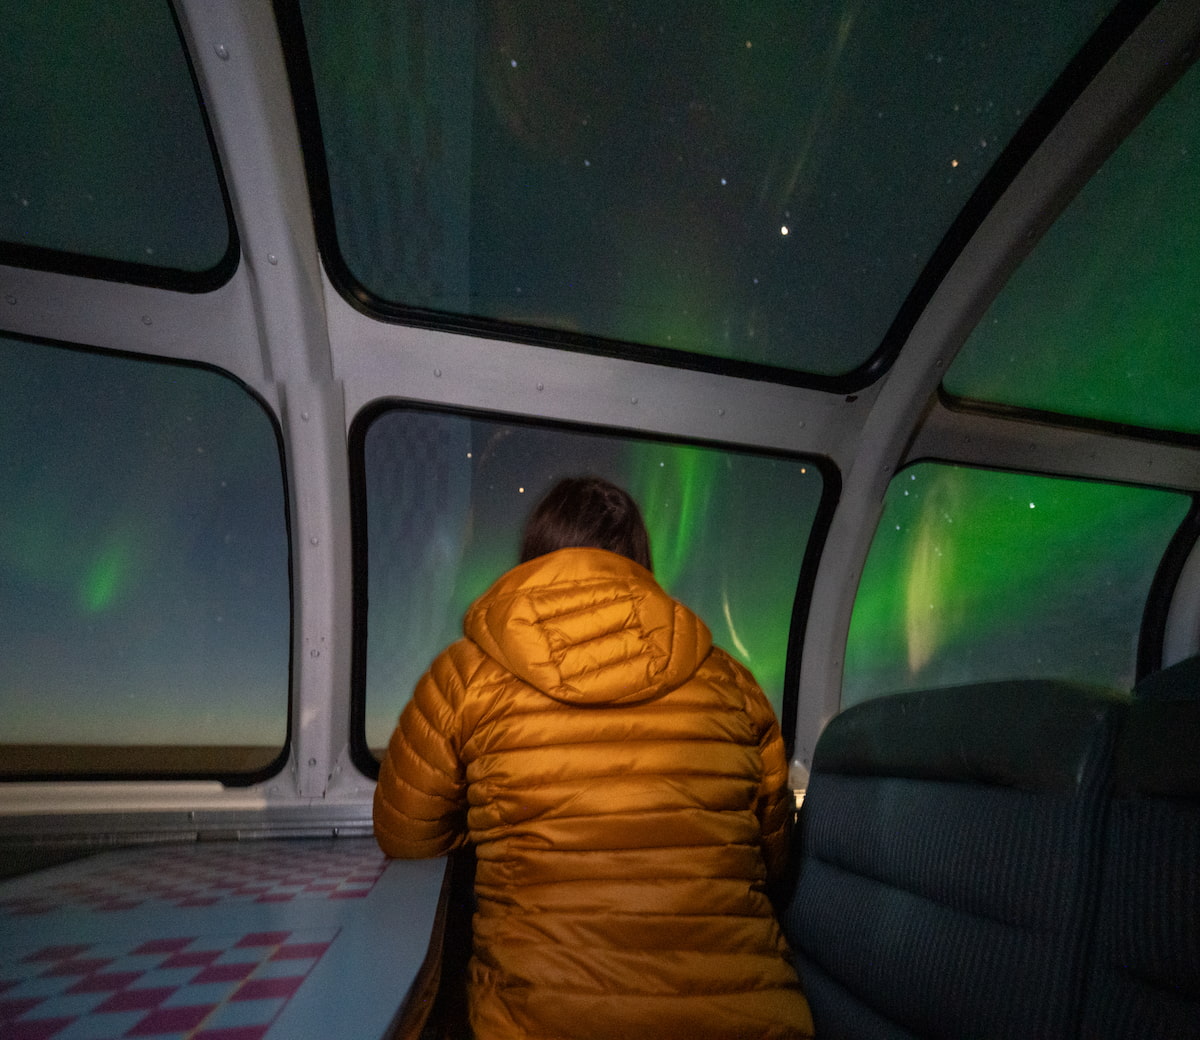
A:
[1066,421]
[1077,75]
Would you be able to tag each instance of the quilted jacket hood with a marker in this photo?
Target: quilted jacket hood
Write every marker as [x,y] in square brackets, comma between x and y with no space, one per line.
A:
[586,626]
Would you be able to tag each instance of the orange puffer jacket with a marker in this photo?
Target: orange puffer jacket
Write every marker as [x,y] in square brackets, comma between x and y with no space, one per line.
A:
[624,783]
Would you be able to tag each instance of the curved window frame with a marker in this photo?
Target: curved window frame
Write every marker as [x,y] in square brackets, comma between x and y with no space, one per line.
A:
[1108,38]
[99,763]
[360,751]
[966,403]
[57,261]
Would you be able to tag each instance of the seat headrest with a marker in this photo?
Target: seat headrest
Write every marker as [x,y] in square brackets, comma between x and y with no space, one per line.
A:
[1043,735]
[1179,682]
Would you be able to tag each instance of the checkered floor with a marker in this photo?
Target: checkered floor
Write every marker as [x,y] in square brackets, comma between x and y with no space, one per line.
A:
[194,987]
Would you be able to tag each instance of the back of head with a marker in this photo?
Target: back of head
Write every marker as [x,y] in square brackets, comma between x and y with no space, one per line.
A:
[586,512]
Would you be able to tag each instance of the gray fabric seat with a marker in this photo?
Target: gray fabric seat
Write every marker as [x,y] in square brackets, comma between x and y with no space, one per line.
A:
[1145,975]
[948,855]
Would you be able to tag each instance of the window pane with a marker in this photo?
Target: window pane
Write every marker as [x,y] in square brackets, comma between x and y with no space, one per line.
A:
[447,495]
[977,575]
[762,182]
[105,150]
[143,569]
[1102,320]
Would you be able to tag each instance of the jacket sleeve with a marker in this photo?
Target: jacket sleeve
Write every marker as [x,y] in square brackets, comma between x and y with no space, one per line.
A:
[420,800]
[775,803]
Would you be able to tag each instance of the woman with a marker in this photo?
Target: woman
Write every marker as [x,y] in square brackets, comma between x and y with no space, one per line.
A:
[624,784]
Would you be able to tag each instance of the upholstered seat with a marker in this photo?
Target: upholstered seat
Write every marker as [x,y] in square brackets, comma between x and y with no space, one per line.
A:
[1145,977]
[949,852]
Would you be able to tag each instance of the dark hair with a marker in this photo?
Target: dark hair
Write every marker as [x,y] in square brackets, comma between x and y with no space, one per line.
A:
[586,511]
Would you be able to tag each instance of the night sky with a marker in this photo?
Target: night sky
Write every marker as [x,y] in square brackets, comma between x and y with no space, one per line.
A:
[143,554]
[761,181]
[1103,318]
[447,497]
[977,575]
[105,150]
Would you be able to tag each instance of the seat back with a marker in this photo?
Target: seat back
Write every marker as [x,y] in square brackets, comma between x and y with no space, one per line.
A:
[1144,980]
[948,852]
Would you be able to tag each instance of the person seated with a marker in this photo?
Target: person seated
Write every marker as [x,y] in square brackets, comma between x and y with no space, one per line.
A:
[624,783]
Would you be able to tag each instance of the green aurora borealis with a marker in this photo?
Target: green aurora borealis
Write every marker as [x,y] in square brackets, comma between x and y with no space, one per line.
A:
[980,574]
[143,554]
[759,183]
[728,532]
[1102,319]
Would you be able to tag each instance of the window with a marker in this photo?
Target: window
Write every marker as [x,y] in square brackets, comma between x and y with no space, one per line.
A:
[143,570]
[1102,320]
[107,167]
[978,575]
[446,496]
[762,182]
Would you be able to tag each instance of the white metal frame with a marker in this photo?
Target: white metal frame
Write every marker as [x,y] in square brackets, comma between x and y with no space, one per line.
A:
[316,361]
